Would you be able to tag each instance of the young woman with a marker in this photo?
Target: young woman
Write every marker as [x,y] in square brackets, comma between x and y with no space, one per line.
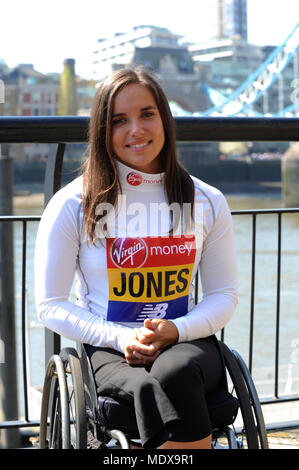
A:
[121,229]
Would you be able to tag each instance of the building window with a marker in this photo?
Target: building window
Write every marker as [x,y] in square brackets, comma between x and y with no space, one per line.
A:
[36,97]
[27,98]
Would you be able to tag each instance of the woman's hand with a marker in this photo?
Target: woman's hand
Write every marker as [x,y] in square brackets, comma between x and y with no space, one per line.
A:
[138,354]
[145,344]
[158,333]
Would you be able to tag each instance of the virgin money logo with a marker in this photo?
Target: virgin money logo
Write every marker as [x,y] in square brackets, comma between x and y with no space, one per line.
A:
[134,179]
[129,252]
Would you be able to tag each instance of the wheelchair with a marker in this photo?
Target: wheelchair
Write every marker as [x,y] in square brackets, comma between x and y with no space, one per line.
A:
[74,417]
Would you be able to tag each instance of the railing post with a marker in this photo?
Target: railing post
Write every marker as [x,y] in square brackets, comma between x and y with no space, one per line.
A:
[52,184]
[8,374]
[252,294]
[53,171]
[276,387]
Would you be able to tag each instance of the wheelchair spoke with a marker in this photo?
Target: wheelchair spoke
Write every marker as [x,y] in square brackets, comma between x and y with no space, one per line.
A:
[72,420]
[55,429]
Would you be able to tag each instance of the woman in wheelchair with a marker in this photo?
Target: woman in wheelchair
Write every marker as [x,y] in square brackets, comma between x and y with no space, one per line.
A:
[133,229]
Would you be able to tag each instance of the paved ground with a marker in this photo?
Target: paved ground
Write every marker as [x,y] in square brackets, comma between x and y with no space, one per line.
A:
[288,439]
[282,414]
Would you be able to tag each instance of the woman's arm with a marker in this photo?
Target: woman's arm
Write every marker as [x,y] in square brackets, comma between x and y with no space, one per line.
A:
[57,248]
[218,274]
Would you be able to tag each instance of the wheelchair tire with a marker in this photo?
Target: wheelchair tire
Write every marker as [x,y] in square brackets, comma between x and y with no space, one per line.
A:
[63,416]
[249,431]
[76,402]
[261,428]
[55,420]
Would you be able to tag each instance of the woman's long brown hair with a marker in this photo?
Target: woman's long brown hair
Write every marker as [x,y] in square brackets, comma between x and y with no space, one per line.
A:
[100,179]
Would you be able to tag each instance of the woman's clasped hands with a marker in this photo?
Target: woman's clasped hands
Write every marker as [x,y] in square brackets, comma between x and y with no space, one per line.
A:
[144,345]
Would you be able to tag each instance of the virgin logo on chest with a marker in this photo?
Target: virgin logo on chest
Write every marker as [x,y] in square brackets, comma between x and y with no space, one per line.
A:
[129,252]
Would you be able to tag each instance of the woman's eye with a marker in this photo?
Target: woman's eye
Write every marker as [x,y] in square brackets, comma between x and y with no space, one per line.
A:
[118,121]
[148,114]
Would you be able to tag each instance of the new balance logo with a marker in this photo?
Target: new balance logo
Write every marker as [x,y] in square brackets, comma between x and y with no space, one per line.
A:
[153,311]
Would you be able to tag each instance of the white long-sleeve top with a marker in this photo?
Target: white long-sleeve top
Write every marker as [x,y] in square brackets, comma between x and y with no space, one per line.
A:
[139,270]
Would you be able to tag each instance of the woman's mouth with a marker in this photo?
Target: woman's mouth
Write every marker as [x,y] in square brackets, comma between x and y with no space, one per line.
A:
[138,146]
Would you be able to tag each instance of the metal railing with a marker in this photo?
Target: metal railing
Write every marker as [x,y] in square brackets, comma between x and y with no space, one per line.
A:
[279,213]
[65,130]
[24,220]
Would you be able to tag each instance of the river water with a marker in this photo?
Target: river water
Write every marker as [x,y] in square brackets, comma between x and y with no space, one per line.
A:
[237,332]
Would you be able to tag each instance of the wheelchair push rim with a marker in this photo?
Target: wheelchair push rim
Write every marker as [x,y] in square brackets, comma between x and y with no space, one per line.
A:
[260,423]
[253,433]
[63,417]
[55,420]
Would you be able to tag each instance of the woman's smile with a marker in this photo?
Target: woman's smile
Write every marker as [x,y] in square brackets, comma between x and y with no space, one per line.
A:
[139,146]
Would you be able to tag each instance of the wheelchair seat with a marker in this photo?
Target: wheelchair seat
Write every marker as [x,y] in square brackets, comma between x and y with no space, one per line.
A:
[223,408]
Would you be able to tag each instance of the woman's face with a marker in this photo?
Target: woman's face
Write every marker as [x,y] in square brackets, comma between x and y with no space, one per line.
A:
[137,129]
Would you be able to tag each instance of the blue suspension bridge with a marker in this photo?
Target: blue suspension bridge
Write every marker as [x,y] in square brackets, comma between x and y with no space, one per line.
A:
[241,101]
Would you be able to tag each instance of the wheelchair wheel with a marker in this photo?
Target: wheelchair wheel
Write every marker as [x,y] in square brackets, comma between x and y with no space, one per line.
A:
[55,421]
[260,423]
[252,435]
[76,398]
[63,420]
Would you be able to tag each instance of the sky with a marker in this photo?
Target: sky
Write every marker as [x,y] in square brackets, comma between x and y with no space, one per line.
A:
[44,33]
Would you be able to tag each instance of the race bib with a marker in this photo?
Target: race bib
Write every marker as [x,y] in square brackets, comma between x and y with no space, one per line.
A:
[149,277]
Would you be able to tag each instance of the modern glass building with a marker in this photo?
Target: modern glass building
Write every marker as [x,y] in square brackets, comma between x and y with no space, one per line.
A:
[227,18]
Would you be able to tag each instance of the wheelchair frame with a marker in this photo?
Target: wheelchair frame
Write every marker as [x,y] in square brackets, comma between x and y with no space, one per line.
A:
[70,415]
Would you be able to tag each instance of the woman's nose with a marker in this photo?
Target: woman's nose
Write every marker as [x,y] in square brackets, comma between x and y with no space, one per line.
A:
[136,128]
